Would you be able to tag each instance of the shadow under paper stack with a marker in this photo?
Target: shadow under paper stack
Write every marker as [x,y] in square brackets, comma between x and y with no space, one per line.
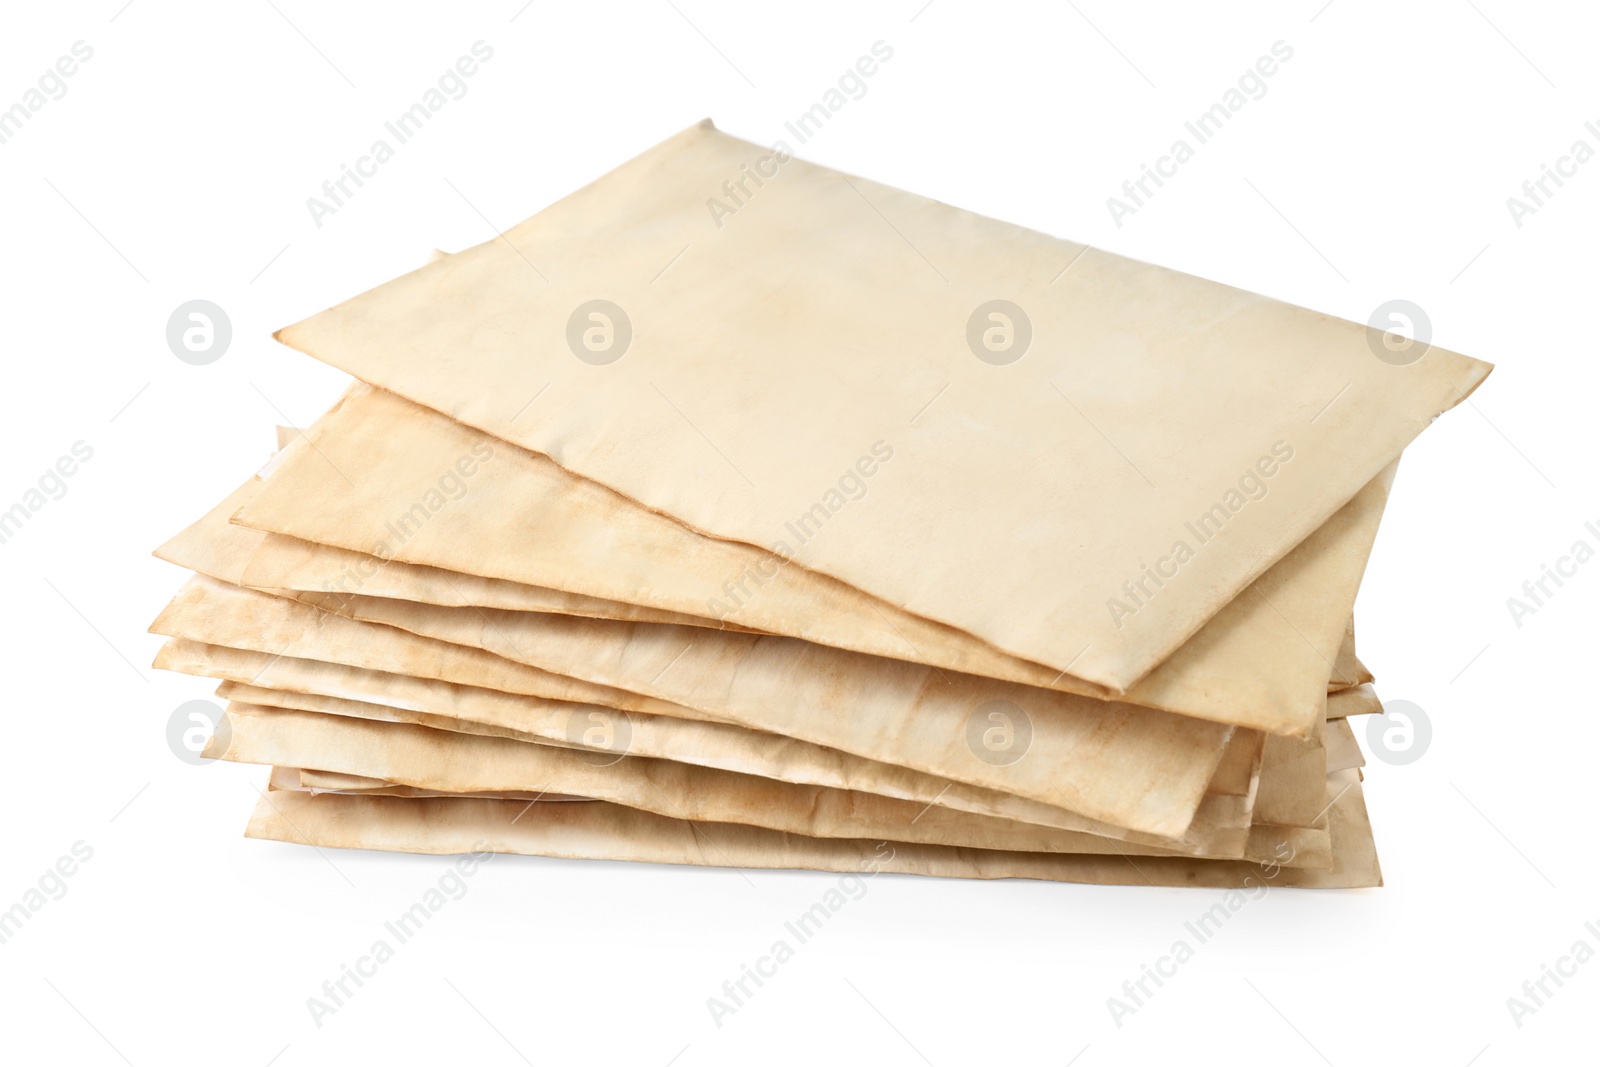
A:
[848,532]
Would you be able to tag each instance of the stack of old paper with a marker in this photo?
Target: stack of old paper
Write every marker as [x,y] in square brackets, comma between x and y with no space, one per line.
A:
[734,511]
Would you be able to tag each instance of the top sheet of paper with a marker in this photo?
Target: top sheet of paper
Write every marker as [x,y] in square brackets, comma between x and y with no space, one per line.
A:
[1076,457]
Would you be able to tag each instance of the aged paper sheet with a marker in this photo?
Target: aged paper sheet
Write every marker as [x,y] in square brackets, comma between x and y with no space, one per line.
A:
[851,339]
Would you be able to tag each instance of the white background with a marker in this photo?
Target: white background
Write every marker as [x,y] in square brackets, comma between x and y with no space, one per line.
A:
[1377,166]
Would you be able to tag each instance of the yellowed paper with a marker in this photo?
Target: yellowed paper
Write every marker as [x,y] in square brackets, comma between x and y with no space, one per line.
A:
[741,413]
[451,763]
[1343,752]
[609,831]
[1130,767]
[1292,776]
[1220,824]
[1357,700]
[408,487]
